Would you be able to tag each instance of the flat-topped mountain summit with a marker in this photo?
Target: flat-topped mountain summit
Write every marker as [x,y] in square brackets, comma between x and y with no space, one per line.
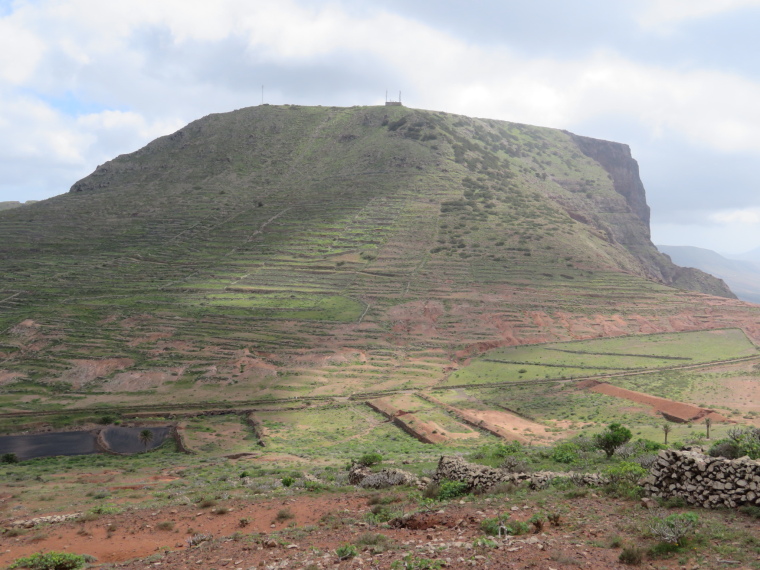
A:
[281,250]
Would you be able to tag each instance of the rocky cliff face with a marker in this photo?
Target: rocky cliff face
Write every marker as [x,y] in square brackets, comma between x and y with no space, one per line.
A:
[631,229]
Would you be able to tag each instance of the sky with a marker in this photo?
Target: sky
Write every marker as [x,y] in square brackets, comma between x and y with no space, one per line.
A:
[82,81]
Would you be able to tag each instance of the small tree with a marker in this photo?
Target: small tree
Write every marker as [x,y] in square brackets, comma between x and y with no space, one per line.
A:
[666,431]
[708,423]
[9,458]
[145,437]
[613,437]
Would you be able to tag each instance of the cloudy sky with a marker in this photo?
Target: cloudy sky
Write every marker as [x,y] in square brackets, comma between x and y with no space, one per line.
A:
[678,80]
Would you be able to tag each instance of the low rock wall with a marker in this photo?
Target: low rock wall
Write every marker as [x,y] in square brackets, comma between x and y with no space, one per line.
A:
[480,476]
[703,480]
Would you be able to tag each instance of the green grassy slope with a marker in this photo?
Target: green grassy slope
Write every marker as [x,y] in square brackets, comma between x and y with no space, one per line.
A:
[289,250]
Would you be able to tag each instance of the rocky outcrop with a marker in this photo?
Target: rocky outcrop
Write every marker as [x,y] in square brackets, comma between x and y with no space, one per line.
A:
[482,477]
[705,481]
[631,229]
[364,477]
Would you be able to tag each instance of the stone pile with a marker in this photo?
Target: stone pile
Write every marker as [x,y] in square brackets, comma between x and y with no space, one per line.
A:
[31,523]
[480,476]
[364,477]
[703,480]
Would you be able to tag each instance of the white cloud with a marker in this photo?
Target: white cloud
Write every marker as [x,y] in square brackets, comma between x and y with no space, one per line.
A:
[664,14]
[744,216]
[154,66]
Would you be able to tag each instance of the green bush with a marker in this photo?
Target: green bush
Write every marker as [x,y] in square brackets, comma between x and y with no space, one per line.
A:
[51,561]
[649,446]
[673,529]
[9,458]
[740,442]
[412,562]
[625,472]
[613,437]
[566,452]
[494,526]
[287,481]
[517,528]
[369,459]
[451,490]
[346,551]
[751,511]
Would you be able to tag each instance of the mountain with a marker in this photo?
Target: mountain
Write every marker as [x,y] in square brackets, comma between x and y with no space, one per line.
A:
[285,250]
[742,276]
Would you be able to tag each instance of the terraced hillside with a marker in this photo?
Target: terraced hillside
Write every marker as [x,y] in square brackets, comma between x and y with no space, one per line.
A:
[289,251]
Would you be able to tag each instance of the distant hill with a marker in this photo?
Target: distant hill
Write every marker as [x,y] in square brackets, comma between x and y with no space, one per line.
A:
[285,250]
[743,276]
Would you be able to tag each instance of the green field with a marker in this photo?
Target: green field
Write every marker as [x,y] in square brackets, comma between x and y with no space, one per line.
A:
[604,356]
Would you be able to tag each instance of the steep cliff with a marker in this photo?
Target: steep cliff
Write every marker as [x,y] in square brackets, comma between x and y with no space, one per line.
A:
[631,229]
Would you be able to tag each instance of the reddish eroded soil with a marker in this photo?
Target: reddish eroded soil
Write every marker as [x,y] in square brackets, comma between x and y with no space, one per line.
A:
[675,411]
[321,523]
[407,421]
[500,424]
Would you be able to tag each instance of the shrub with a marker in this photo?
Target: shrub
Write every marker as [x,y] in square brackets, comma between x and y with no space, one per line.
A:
[374,540]
[614,436]
[369,459]
[495,526]
[51,561]
[631,555]
[517,528]
[566,452]
[412,562]
[346,551]
[107,509]
[165,525]
[513,464]
[287,481]
[431,491]
[751,510]
[740,442]
[244,522]
[451,490]
[207,503]
[674,528]
[284,514]
[555,518]
[8,458]
[625,472]
[537,521]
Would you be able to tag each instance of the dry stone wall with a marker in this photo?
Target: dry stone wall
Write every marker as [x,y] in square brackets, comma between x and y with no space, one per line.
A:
[703,480]
[480,476]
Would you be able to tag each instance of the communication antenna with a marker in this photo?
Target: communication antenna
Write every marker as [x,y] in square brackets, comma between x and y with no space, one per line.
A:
[389,103]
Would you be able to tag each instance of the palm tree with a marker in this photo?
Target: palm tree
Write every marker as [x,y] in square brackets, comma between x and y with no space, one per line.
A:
[145,437]
[666,431]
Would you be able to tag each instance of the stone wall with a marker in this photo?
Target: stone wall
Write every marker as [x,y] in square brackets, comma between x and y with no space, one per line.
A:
[480,476]
[703,480]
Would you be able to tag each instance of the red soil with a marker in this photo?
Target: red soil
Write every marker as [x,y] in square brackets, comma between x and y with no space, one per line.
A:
[673,411]
[407,421]
[329,521]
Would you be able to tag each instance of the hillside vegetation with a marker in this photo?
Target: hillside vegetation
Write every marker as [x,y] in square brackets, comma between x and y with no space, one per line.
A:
[286,251]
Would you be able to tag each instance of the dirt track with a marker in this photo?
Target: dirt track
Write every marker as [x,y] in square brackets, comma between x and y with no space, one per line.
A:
[673,411]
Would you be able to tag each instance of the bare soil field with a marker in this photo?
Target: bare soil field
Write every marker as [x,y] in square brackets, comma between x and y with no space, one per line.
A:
[314,526]
[674,411]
